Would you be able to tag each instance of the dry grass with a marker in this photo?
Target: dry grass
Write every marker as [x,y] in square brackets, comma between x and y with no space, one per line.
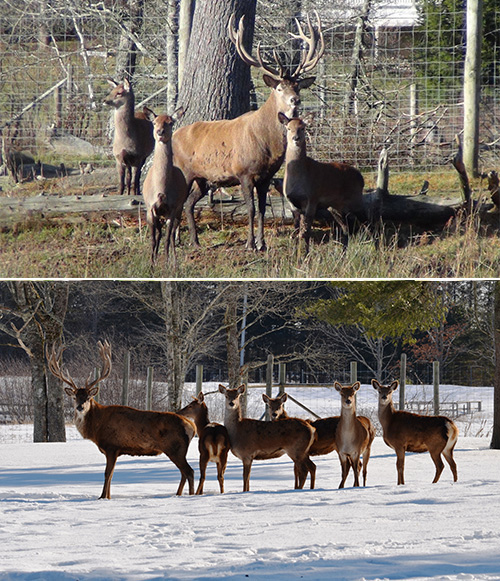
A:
[117,247]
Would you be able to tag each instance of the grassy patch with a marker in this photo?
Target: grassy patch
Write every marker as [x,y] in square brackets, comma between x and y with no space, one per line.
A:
[114,246]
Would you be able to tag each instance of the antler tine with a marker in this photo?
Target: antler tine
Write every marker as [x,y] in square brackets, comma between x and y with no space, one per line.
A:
[308,60]
[105,352]
[53,361]
[236,37]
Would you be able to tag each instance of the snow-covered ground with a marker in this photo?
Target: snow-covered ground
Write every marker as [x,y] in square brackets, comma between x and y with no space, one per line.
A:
[53,527]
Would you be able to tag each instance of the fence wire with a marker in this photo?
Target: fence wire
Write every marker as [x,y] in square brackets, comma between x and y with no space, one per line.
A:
[391,76]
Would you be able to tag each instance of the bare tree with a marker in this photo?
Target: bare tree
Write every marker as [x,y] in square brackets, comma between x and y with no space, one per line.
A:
[216,82]
[34,317]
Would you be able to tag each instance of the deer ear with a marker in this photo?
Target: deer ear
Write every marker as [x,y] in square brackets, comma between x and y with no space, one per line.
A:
[284,397]
[178,113]
[306,83]
[150,114]
[69,391]
[265,397]
[356,385]
[270,82]
[375,384]
[283,118]
[337,386]
[241,389]
[222,389]
[394,385]
[93,391]
[126,84]
[200,397]
[112,82]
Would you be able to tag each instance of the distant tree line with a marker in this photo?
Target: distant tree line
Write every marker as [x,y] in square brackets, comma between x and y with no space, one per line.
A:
[316,327]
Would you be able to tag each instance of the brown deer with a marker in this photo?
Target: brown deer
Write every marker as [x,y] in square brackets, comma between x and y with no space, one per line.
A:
[330,191]
[255,440]
[324,442]
[354,435]
[250,149]
[118,429]
[409,432]
[213,442]
[133,140]
[165,189]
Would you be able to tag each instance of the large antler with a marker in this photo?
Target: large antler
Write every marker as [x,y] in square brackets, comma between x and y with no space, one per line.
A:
[53,359]
[309,60]
[236,36]
[55,355]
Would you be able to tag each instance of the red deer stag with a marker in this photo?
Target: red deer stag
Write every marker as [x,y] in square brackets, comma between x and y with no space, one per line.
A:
[408,432]
[330,191]
[213,442]
[255,440]
[165,189]
[118,429]
[324,443]
[354,435]
[133,141]
[250,149]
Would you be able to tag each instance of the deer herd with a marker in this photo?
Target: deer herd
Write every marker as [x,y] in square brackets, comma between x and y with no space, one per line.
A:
[245,151]
[121,430]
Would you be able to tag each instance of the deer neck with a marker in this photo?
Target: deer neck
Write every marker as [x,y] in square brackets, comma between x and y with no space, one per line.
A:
[84,420]
[269,125]
[163,158]
[232,417]
[124,116]
[348,416]
[385,412]
[295,153]
[201,419]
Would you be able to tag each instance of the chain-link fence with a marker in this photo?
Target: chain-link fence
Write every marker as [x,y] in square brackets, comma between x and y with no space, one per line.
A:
[392,75]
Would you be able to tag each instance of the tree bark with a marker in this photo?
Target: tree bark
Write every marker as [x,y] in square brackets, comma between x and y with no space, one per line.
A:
[232,337]
[126,55]
[42,307]
[215,82]
[495,438]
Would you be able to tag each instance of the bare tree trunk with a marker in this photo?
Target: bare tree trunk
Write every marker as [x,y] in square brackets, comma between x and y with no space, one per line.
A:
[495,437]
[351,96]
[215,82]
[175,357]
[185,20]
[42,308]
[232,336]
[172,33]
[126,55]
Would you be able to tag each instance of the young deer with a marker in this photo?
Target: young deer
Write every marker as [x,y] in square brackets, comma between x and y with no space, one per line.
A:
[165,189]
[213,442]
[330,191]
[255,440]
[118,429]
[326,428]
[133,140]
[354,435]
[247,150]
[408,432]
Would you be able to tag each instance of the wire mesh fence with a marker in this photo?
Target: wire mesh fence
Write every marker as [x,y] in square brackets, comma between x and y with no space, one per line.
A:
[391,76]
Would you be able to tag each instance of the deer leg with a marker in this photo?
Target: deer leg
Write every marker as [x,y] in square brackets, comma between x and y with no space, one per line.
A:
[203,470]
[438,462]
[120,166]
[129,178]
[197,191]
[366,457]
[344,462]
[339,227]
[111,458]
[311,468]
[400,465]
[262,201]
[169,235]
[247,467]
[187,473]
[356,465]
[247,191]
[137,178]
[156,230]
[221,469]
[448,454]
